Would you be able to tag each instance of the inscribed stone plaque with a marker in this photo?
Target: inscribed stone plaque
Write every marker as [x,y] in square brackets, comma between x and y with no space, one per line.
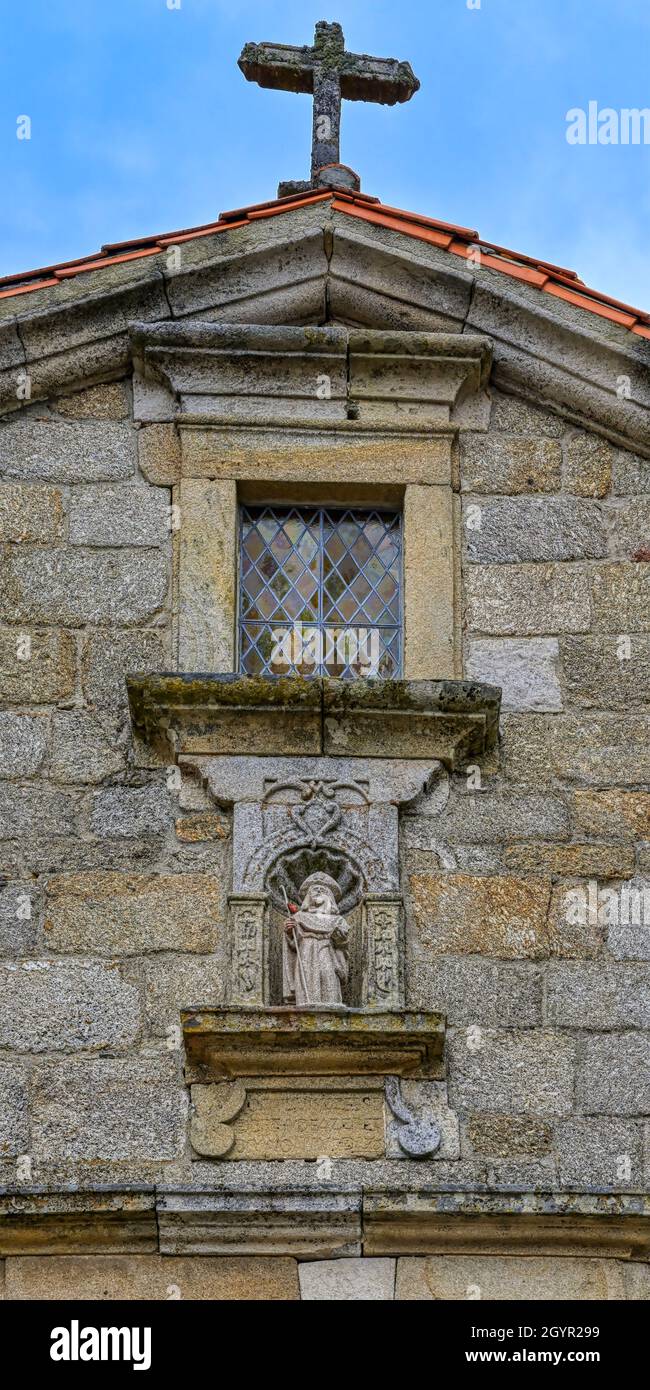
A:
[247,972]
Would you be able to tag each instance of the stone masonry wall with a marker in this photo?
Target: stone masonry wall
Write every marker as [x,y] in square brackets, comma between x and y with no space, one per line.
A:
[111,915]
[549,1048]
[409,1278]
[112,906]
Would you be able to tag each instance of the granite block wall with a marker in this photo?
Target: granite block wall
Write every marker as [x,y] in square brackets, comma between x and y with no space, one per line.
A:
[518,873]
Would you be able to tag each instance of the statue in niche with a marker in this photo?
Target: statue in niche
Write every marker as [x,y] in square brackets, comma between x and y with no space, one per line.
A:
[315,945]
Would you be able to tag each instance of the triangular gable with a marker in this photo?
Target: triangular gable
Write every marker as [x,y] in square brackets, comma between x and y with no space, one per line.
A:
[337,258]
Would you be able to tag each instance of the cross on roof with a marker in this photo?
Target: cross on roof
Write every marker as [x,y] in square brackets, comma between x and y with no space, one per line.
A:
[331,74]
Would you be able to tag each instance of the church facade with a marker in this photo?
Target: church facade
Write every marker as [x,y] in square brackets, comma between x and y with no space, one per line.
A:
[325,760]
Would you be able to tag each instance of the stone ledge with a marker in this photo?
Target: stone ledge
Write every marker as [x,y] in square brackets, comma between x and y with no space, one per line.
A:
[187,713]
[317,1224]
[507,1224]
[304,1042]
[95,1222]
[312,1225]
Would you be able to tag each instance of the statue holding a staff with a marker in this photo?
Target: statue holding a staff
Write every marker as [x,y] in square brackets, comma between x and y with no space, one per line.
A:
[315,945]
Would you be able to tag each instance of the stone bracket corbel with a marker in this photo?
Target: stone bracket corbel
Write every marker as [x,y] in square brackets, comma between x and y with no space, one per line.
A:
[417,1138]
[211,1134]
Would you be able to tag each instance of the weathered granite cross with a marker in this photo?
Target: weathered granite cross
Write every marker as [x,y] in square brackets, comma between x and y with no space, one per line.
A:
[330,74]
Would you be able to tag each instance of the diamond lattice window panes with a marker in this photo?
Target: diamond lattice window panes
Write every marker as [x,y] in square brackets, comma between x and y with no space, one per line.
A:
[320,592]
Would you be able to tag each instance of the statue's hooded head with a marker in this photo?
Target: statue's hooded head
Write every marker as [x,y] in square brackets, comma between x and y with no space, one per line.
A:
[319,891]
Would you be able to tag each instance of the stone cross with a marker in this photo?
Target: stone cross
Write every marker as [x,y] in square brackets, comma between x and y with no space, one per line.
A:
[330,74]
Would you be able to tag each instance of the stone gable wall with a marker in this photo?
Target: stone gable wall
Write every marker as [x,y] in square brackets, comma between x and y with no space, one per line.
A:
[112,912]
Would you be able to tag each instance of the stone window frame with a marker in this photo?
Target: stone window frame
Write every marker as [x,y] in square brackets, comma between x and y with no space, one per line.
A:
[329,414]
[207,565]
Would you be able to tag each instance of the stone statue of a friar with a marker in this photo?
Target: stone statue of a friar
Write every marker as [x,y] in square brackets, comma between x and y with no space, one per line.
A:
[315,945]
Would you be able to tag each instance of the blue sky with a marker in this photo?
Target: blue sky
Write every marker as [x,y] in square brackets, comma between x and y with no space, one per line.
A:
[141,122]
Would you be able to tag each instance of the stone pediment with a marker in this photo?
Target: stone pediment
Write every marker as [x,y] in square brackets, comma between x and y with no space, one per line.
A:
[311,267]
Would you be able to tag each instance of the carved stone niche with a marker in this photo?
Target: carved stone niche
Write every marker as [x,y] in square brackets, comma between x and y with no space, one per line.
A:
[346,755]
[293,817]
[306,1056]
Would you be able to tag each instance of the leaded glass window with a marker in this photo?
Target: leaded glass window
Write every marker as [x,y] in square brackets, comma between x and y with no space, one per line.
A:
[320,592]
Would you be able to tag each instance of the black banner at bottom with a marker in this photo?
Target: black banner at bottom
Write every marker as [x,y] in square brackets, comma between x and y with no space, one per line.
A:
[176,1338]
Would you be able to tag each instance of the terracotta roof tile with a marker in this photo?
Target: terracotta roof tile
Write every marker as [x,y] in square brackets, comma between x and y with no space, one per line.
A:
[43,271]
[175,240]
[28,289]
[459,241]
[481,257]
[100,263]
[256,213]
[607,299]
[585,301]
[113,247]
[381,219]
[558,270]
[418,217]
[289,201]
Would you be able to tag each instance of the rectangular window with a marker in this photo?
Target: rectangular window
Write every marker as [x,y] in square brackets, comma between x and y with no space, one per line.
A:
[320,592]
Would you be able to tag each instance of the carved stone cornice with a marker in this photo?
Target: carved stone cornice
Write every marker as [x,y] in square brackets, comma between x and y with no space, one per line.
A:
[224,1043]
[314,1225]
[247,374]
[613,1225]
[318,1224]
[70,1223]
[311,264]
[447,721]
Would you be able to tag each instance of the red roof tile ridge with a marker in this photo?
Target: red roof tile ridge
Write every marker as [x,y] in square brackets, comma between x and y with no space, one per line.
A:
[236,214]
[101,262]
[112,247]
[316,196]
[587,292]
[595,304]
[381,218]
[41,272]
[514,261]
[420,220]
[544,275]
[532,260]
[306,195]
[584,295]
[29,288]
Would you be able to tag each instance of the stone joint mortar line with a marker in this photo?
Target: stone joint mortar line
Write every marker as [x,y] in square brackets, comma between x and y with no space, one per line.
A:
[165,292]
[21,339]
[470,305]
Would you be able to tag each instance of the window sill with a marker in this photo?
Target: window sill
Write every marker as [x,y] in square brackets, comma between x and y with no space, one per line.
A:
[450,721]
